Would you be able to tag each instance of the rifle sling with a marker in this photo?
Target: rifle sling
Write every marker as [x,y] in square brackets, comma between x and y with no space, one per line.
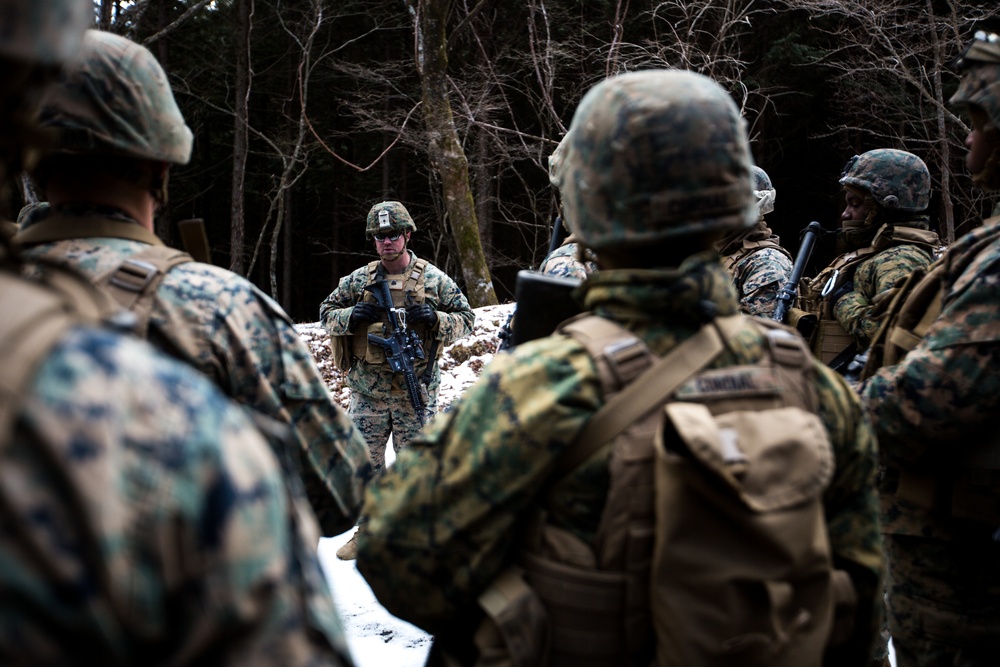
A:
[650,389]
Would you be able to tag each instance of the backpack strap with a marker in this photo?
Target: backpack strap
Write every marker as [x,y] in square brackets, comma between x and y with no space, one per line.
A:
[134,282]
[651,387]
[36,316]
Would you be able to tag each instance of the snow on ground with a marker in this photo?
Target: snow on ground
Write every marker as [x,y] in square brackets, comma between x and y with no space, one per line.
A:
[377,638]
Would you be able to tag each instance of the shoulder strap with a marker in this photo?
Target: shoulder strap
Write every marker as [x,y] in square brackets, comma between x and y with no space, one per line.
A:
[57,228]
[415,279]
[35,317]
[134,282]
[651,388]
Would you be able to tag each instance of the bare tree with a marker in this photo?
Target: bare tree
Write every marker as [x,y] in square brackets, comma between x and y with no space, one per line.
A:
[446,153]
[244,78]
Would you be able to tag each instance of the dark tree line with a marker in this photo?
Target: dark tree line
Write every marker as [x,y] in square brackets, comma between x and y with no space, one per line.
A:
[307,112]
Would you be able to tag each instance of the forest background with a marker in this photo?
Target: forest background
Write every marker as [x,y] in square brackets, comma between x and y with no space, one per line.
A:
[307,112]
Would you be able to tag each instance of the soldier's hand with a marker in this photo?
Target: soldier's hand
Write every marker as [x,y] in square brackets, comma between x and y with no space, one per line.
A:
[363,313]
[422,314]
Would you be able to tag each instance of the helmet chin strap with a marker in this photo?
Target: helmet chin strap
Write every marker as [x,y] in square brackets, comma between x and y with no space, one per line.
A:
[394,256]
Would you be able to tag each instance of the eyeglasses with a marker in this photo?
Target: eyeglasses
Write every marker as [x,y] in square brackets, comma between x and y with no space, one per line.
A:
[394,236]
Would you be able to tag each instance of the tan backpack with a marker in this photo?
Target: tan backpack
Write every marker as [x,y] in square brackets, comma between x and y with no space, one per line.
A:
[713,548]
[36,316]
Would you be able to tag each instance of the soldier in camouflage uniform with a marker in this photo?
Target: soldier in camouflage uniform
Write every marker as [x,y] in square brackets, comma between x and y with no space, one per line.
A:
[754,257]
[884,237]
[569,259]
[103,182]
[144,518]
[446,520]
[936,417]
[436,310]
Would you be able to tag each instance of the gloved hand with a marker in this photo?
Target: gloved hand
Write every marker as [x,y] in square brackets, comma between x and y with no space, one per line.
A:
[422,314]
[364,313]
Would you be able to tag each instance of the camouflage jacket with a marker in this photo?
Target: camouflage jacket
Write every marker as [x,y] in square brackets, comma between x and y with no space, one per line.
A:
[759,267]
[945,391]
[244,342]
[455,321]
[890,259]
[135,499]
[562,262]
[445,520]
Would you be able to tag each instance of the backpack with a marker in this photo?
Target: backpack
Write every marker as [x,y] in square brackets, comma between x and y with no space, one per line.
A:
[36,316]
[744,574]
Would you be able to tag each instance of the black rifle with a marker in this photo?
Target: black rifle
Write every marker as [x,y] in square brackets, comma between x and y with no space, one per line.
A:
[789,289]
[402,346]
[543,302]
[506,333]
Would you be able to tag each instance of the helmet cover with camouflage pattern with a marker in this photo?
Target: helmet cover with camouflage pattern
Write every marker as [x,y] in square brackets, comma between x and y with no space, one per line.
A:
[555,161]
[44,32]
[980,67]
[763,190]
[656,154]
[896,180]
[115,100]
[388,216]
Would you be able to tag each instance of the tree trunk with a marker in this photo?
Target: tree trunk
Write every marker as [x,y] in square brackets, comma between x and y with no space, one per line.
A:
[446,155]
[947,223]
[240,135]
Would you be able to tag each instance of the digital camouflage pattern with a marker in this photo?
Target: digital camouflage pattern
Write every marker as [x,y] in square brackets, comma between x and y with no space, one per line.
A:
[146,520]
[446,517]
[563,262]
[944,587]
[874,278]
[395,218]
[980,89]
[236,335]
[940,400]
[754,257]
[758,277]
[641,169]
[378,417]
[896,180]
[115,99]
[377,381]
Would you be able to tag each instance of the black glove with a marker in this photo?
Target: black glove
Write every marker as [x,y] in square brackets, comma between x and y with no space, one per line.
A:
[422,314]
[839,293]
[364,313]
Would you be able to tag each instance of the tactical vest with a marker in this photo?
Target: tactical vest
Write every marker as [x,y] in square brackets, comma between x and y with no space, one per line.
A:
[830,338]
[747,248]
[970,488]
[407,289]
[625,601]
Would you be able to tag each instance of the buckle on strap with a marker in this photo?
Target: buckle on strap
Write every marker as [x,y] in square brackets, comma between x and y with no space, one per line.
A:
[133,275]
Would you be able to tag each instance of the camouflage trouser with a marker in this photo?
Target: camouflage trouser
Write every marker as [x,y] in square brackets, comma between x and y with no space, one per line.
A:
[377,418]
[944,601]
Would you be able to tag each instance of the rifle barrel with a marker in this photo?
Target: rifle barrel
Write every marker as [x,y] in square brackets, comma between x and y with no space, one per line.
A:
[789,289]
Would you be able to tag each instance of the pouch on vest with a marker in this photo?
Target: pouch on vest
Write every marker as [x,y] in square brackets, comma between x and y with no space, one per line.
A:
[742,569]
[713,548]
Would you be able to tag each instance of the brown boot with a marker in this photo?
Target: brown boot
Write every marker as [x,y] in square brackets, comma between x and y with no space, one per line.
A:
[350,549]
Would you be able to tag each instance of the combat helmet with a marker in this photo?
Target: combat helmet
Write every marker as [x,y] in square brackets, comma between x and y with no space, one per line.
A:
[556,160]
[388,216]
[38,37]
[979,92]
[763,190]
[653,155]
[115,100]
[896,180]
